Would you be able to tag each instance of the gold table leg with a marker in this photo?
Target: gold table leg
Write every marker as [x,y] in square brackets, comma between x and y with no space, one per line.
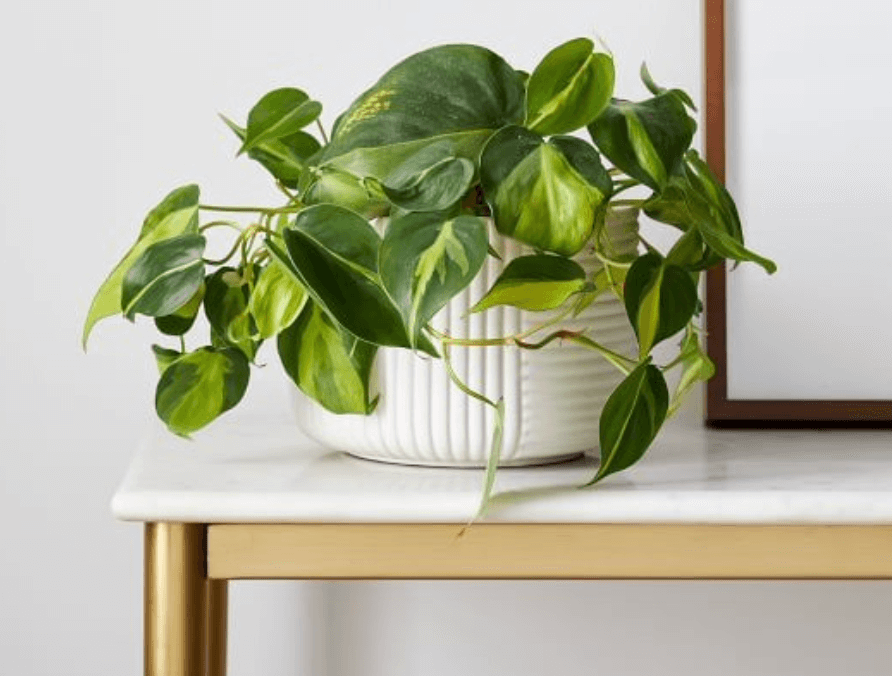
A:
[175,630]
[217,615]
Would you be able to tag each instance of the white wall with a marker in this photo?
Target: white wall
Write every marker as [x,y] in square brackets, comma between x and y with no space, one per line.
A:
[106,106]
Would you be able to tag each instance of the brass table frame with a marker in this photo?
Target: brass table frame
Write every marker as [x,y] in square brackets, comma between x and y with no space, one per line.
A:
[187,566]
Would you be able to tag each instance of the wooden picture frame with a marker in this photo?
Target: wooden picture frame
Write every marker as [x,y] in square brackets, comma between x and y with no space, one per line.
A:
[720,409]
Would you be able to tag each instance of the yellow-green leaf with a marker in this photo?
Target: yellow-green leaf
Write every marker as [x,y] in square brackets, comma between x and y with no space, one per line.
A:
[177,214]
[277,299]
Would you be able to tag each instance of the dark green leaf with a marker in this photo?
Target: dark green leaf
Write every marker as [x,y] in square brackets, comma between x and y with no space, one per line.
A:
[328,364]
[177,214]
[695,198]
[426,259]
[548,195]
[466,93]
[660,300]
[181,320]
[334,252]
[285,158]
[226,308]
[631,419]
[164,278]
[197,387]
[278,115]
[569,88]
[277,299]
[646,140]
[164,357]
[537,282]
[433,179]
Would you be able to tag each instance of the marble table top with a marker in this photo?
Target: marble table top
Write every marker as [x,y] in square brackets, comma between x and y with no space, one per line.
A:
[236,472]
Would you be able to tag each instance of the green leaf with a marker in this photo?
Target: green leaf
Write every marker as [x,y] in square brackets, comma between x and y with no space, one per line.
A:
[466,92]
[164,278]
[548,195]
[285,158]
[694,198]
[570,87]
[278,115]
[226,308]
[177,214]
[538,282]
[328,364]
[199,386]
[656,89]
[433,179]
[697,367]
[426,259]
[181,320]
[334,253]
[345,190]
[277,299]
[164,357]
[646,140]
[660,300]
[631,419]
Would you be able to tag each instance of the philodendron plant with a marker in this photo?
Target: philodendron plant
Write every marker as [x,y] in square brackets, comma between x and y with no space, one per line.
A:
[443,141]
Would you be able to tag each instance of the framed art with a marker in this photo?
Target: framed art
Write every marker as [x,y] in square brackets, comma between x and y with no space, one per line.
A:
[797,126]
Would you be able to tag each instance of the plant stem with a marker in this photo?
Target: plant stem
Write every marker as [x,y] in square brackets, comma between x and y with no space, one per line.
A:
[182,345]
[627,203]
[216,224]
[322,131]
[251,210]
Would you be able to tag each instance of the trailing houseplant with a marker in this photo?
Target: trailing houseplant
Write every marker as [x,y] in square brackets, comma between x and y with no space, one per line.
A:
[386,221]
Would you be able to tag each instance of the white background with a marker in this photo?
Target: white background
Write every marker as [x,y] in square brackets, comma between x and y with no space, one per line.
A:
[108,105]
[808,147]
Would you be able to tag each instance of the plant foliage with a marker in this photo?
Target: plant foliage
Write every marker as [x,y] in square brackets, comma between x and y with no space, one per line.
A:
[444,138]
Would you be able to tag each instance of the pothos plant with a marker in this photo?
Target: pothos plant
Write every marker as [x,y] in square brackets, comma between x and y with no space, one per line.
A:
[445,139]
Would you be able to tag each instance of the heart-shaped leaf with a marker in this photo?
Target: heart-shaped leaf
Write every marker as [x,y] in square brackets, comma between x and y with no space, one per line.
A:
[277,299]
[433,179]
[197,387]
[177,214]
[278,115]
[164,278]
[328,364]
[538,282]
[660,300]
[334,252]
[548,195]
[466,92]
[426,259]
[631,418]
[646,140]
[226,308]
[285,158]
[181,320]
[569,88]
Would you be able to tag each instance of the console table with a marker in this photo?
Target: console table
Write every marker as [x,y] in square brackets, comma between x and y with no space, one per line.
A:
[266,503]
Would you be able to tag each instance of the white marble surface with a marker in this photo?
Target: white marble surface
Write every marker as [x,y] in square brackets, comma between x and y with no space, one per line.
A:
[235,472]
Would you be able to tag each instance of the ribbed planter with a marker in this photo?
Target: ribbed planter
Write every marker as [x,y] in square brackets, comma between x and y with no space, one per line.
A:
[553,396]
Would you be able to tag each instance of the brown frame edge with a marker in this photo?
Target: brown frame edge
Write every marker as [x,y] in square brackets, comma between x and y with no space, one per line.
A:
[721,411]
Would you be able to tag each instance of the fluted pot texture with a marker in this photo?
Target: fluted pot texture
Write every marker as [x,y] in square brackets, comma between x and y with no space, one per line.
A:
[553,396]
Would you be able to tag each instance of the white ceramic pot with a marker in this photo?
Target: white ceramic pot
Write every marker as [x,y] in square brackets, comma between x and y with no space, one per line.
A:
[553,396]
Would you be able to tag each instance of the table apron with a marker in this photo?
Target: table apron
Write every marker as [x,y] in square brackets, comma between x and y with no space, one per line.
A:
[548,551]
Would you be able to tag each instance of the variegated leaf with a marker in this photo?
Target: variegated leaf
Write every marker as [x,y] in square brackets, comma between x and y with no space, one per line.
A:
[426,259]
